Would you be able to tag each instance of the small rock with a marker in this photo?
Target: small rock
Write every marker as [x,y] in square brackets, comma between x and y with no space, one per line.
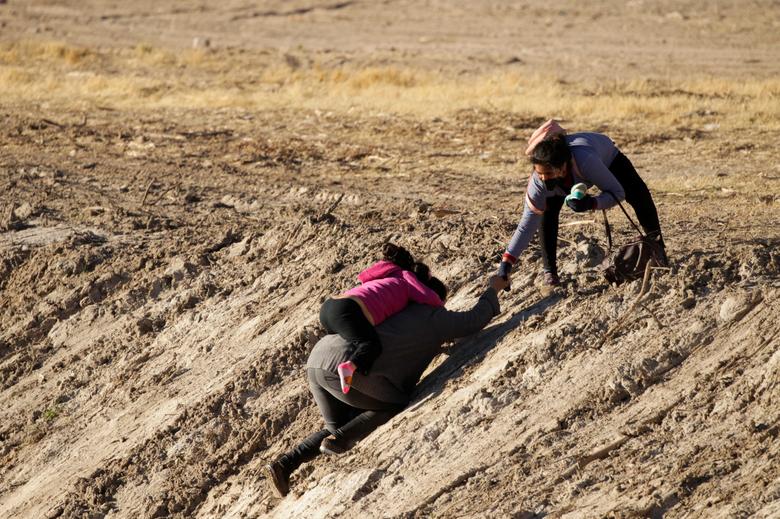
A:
[688,303]
[24,211]
[675,15]
[201,43]
[94,211]
[239,248]
[737,306]
[179,269]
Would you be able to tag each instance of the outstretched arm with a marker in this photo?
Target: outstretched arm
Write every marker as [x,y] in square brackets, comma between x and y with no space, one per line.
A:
[451,325]
[526,228]
[533,208]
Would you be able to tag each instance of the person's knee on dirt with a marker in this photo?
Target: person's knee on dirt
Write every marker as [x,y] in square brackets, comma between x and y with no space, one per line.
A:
[386,288]
[559,161]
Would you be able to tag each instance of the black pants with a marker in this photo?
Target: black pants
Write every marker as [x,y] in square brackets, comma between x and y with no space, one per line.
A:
[345,317]
[637,195]
[351,417]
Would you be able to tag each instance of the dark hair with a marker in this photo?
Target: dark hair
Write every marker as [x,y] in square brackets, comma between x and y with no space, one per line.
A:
[423,273]
[398,255]
[554,152]
[437,286]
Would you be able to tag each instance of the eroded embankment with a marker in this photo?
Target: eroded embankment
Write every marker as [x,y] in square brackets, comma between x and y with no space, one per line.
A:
[160,292]
[548,418]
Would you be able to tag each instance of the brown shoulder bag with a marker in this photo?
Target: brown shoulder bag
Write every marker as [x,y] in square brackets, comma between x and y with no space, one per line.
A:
[628,262]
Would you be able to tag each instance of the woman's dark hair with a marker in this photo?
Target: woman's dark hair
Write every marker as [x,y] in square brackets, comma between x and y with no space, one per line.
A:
[423,273]
[403,258]
[398,255]
[437,286]
[554,152]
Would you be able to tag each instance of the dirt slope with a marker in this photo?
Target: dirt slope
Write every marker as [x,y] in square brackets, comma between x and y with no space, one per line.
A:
[158,361]
[161,273]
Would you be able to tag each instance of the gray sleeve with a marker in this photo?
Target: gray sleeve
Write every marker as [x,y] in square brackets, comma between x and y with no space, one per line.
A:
[533,208]
[594,171]
[450,325]
[525,231]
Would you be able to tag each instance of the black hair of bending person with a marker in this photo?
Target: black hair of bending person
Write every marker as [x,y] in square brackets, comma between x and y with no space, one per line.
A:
[554,152]
[437,286]
[398,255]
[423,273]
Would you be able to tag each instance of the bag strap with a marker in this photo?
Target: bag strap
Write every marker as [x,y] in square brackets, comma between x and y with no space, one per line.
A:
[642,234]
[607,229]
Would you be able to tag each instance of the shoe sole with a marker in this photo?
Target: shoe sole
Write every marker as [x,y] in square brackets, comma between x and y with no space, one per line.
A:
[273,481]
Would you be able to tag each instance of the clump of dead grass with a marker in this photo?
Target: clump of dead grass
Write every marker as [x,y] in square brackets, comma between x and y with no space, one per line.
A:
[23,53]
[145,77]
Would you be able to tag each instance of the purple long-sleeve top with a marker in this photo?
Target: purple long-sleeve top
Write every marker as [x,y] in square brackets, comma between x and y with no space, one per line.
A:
[386,289]
[592,154]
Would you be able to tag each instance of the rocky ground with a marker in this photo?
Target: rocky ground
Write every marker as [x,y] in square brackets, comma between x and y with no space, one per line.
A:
[161,272]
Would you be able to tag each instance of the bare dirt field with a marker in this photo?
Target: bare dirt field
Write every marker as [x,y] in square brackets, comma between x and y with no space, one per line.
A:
[183,183]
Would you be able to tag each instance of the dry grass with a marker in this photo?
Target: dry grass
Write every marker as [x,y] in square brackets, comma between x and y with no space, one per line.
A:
[149,78]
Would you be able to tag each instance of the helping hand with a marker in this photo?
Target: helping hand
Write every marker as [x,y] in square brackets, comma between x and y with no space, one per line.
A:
[504,269]
[499,283]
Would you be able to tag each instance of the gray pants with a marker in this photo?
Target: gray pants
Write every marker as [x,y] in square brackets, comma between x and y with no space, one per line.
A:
[339,409]
[350,417]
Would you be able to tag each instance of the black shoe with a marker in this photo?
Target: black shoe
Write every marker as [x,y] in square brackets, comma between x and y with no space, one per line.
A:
[278,479]
[663,259]
[551,279]
[333,446]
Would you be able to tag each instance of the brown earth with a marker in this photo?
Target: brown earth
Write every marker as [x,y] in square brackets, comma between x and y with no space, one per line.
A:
[162,269]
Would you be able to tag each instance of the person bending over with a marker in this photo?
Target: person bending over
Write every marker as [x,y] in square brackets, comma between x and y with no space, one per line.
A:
[411,338]
[559,161]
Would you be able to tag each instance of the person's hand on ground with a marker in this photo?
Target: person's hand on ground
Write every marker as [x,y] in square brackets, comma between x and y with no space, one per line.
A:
[498,283]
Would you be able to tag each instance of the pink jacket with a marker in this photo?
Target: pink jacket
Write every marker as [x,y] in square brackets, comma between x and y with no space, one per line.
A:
[386,290]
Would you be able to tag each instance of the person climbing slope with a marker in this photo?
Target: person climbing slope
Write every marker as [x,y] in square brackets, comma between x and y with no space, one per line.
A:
[412,338]
[386,288]
[559,161]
